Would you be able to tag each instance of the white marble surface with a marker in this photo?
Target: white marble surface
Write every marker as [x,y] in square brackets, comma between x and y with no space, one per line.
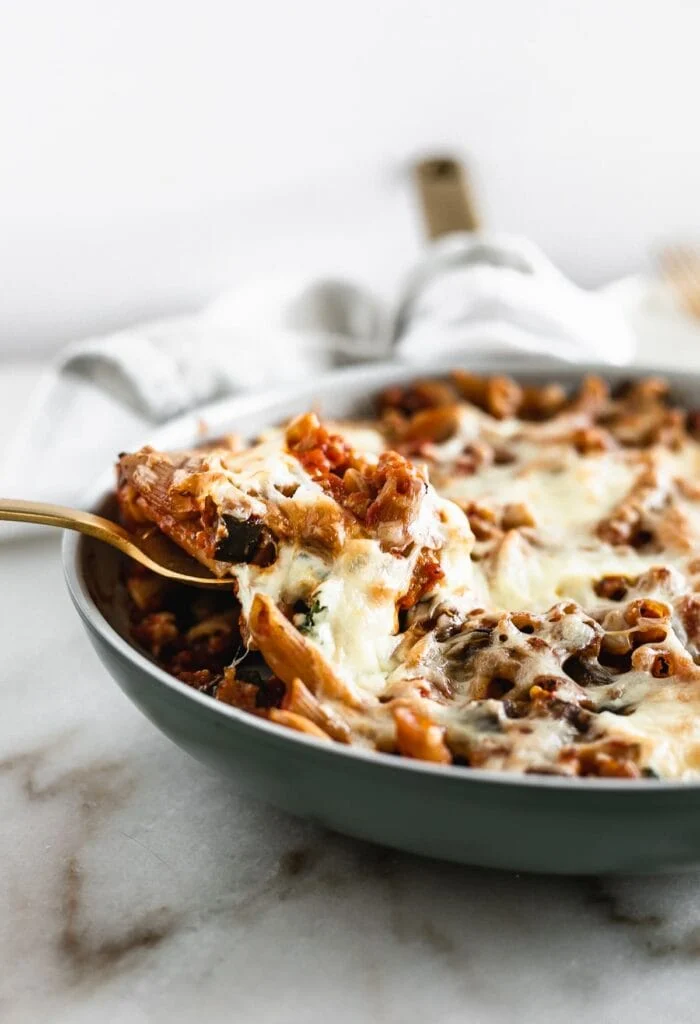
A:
[137,886]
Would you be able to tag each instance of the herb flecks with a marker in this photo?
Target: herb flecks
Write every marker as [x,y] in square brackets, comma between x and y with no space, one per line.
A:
[311,615]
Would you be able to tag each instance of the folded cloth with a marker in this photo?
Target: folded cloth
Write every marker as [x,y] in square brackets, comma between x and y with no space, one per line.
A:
[474,297]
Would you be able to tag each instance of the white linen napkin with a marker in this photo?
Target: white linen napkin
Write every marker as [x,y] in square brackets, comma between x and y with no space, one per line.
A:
[473,297]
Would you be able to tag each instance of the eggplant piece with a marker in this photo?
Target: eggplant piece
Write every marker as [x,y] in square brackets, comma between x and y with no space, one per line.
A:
[587,672]
[246,540]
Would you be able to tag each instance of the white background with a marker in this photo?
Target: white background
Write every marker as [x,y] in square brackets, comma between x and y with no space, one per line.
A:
[153,152]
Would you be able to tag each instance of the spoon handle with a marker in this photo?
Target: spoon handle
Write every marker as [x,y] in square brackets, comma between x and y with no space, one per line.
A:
[44,514]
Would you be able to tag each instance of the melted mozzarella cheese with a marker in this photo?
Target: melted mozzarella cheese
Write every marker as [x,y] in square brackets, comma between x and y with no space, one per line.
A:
[267,470]
[527,578]
[566,493]
[241,482]
[463,585]
[293,576]
[667,730]
[357,623]
[353,595]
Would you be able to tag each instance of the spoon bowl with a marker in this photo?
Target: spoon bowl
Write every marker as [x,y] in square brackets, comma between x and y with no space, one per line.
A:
[150,547]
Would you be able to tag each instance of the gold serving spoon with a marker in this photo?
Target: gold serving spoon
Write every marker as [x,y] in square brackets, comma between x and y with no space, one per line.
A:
[151,548]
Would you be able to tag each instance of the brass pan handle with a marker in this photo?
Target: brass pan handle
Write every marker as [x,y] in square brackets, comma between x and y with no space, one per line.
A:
[446,197]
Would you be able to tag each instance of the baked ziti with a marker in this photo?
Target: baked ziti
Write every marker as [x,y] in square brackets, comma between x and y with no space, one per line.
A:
[485,574]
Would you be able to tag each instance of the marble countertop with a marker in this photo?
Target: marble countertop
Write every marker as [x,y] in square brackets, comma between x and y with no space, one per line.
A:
[139,887]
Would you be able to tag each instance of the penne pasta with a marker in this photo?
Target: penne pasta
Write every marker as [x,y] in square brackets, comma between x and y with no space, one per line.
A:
[417,736]
[299,723]
[291,656]
[300,699]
